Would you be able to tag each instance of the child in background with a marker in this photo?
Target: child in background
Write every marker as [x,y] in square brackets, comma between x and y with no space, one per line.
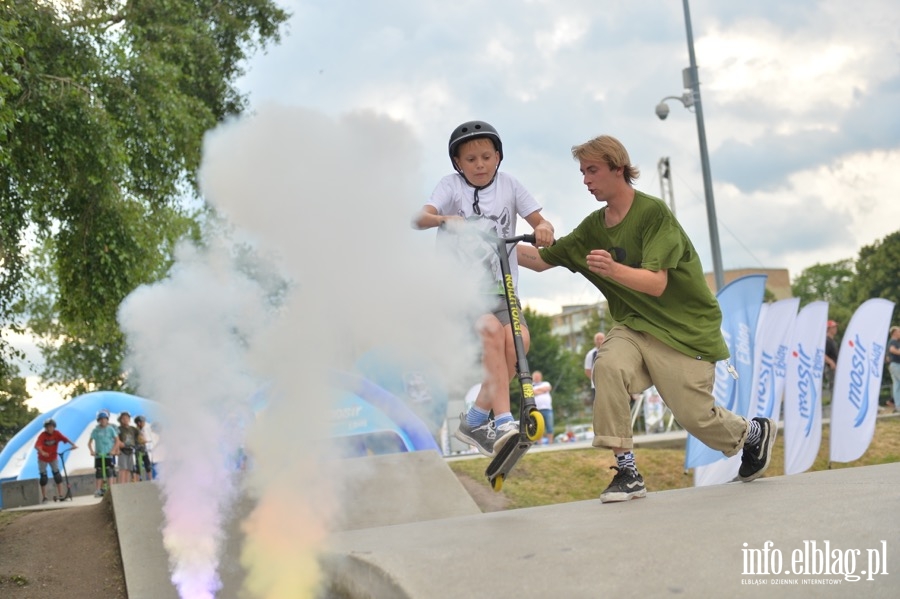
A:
[47,446]
[128,441]
[104,445]
[143,463]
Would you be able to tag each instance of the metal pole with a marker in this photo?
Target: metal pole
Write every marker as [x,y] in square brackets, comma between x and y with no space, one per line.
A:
[692,82]
[665,181]
[661,169]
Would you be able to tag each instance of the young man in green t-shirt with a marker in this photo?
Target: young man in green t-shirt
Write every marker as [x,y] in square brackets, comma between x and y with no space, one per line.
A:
[668,323]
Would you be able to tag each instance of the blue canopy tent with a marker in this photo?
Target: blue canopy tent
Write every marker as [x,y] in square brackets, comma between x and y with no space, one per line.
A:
[369,419]
[75,419]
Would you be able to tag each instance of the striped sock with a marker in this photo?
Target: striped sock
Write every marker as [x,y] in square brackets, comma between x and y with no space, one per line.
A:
[502,418]
[476,416]
[754,434]
[626,460]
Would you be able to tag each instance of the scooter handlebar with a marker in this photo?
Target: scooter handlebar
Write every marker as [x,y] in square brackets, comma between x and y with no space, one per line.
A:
[527,238]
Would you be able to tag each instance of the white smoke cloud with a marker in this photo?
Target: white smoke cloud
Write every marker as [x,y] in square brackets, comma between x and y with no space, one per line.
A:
[324,207]
[184,342]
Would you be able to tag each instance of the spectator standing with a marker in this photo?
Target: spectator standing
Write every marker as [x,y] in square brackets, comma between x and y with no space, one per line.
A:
[47,446]
[128,442]
[831,346]
[104,445]
[544,403]
[894,366]
[831,356]
[591,356]
[143,463]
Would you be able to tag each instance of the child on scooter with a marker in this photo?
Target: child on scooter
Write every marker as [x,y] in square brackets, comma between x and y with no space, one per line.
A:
[479,191]
[47,446]
[104,445]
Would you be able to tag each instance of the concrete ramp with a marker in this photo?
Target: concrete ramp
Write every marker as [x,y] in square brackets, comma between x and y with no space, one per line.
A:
[138,512]
[684,543]
[401,488]
[381,491]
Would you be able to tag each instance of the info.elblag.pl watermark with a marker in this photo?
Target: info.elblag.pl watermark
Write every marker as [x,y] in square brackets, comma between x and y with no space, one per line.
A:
[814,562]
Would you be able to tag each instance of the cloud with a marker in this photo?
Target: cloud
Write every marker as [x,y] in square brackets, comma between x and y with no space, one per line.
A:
[787,88]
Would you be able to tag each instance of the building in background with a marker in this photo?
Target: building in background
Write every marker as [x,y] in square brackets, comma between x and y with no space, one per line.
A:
[778,280]
[569,324]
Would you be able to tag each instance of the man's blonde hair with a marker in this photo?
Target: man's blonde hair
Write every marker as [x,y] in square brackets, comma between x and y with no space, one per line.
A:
[608,149]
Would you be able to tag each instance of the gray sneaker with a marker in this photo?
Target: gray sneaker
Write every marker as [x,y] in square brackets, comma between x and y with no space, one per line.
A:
[482,437]
[505,432]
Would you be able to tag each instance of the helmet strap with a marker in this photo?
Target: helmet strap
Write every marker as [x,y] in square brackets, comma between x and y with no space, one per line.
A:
[475,208]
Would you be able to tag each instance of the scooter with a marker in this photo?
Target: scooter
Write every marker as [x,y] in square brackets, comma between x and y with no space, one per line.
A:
[531,421]
[68,495]
[104,487]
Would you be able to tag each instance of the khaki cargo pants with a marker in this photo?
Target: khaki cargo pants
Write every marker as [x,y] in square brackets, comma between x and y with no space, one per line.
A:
[630,362]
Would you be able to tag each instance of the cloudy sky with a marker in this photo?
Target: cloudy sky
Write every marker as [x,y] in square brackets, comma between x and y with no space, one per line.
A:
[800,101]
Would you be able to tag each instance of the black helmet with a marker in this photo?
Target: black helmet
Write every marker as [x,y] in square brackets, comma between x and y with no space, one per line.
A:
[473,130]
[50,422]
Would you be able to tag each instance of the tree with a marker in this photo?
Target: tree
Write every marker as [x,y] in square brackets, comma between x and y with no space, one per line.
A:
[103,107]
[14,413]
[878,271]
[830,283]
[561,368]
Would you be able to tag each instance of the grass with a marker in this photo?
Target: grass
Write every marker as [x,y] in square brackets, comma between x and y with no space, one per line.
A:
[15,579]
[6,517]
[545,478]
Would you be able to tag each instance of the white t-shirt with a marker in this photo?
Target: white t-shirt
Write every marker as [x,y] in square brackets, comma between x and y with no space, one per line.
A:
[589,362]
[500,203]
[542,399]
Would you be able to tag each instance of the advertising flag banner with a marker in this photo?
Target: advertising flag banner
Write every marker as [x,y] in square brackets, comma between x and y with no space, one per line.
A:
[857,380]
[803,389]
[773,338]
[740,302]
[773,332]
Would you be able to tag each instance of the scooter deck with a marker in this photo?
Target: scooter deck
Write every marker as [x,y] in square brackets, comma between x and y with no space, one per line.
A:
[506,459]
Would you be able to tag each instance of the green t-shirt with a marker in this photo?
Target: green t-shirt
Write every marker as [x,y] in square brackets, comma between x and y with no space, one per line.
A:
[686,316]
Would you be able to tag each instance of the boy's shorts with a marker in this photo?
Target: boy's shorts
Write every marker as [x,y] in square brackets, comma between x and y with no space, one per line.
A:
[110,466]
[54,466]
[126,462]
[502,312]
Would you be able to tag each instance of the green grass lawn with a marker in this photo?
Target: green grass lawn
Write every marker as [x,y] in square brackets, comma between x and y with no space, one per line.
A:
[544,478]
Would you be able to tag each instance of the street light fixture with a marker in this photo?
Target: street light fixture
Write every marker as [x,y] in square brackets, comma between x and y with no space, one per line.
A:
[691,99]
[662,109]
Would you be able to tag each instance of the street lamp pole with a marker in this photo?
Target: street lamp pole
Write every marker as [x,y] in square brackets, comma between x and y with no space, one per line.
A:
[692,82]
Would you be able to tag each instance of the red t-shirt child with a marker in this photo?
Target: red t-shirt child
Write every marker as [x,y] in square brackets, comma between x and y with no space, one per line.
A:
[49,442]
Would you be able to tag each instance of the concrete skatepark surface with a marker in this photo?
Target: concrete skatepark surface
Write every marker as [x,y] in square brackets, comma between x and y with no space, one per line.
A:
[417,534]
